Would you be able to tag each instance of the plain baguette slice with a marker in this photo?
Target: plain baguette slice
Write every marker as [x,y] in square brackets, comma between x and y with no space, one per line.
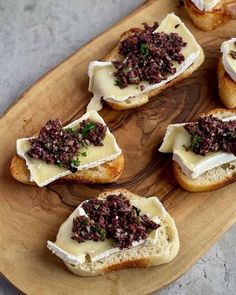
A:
[208,20]
[108,172]
[227,87]
[214,178]
[162,252]
[137,101]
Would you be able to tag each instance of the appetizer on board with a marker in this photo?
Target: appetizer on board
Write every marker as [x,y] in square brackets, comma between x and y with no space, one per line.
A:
[83,151]
[145,62]
[207,15]
[204,151]
[227,73]
[116,230]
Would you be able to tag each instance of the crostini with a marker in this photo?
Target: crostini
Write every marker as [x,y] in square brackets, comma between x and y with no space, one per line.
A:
[116,230]
[144,63]
[83,151]
[227,73]
[204,151]
[210,14]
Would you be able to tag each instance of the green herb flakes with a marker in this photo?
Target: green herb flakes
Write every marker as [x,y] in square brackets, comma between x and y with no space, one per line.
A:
[144,49]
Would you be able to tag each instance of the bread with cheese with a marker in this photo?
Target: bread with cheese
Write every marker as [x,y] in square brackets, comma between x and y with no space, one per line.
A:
[137,101]
[212,179]
[101,164]
[144,255]
[107,172]
[208,20]
[226,86]
[141,99]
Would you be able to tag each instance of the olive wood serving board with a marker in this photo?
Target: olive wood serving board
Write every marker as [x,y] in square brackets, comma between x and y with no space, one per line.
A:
[29,216]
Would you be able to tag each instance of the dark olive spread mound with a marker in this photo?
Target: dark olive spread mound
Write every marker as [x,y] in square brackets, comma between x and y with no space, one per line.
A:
[148,56]
[210,134]
[113,218]
[61,147]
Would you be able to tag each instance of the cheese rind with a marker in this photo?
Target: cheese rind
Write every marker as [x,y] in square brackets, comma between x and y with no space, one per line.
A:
[101,79]
[228,61]
[75,253]
[193,165]
[205,5]
[43,173]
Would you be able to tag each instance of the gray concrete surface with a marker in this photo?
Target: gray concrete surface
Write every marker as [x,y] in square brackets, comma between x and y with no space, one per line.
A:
[37,35]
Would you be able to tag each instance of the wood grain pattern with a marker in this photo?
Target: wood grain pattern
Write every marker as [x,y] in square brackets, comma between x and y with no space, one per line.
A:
[29,216]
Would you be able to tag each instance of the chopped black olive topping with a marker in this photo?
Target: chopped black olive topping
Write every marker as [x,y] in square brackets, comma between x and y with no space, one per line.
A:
[61,146]
[113,218]
[148,56]
[210,134]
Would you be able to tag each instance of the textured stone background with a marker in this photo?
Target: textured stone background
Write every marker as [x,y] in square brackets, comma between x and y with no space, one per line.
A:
[37,35]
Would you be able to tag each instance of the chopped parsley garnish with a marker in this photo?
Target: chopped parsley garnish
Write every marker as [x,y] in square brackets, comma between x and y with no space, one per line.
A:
[47,146]
[71,130]
[59,164]
[144,49]
[100,231]
[90,126]
[117,82]
[195,141]
[75,163]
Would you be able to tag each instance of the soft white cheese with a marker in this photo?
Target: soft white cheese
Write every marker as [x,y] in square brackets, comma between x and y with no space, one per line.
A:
[205,5]
[43,173]
[75,253]
[101,79]
[193,165]
[228,62]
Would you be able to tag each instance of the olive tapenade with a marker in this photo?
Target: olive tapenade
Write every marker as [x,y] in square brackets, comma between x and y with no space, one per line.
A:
[210,134]
[148,56]
[113,218]
[61,146]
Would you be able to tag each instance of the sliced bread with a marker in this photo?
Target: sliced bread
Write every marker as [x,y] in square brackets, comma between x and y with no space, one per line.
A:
[214,178]
[227,87]
[139,100]
[144,255]
[105,173]
[208,20]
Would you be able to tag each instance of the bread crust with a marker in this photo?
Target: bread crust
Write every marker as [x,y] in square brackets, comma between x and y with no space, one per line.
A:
[208,20]
[187,184]
[165,255]
[226,86]
[142,99]
[194,185]
[108,172]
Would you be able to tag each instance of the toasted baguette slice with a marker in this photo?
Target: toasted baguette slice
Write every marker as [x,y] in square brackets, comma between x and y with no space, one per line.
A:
[137,101]
[208,20]
[106,173]
[163,251]
[227,87]
[214,178]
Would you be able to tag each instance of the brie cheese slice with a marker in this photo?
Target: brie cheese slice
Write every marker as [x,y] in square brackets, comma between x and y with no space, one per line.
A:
[101,79]
[43,173]
[228,61]
[205,5]
[193,165]
[75,253]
